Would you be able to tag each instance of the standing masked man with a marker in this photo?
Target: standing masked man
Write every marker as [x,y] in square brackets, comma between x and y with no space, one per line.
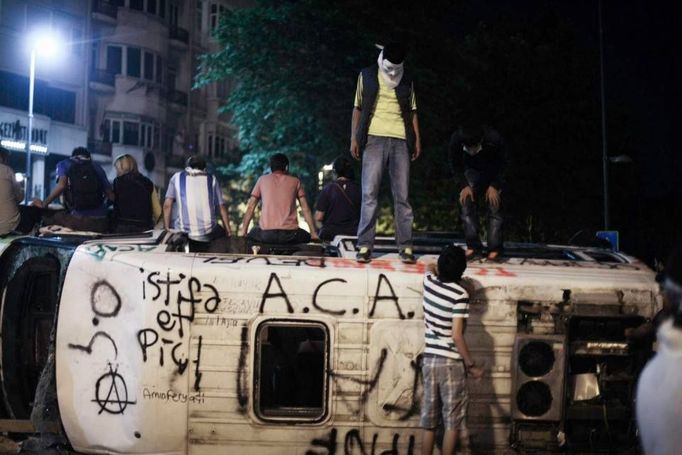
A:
[385,131]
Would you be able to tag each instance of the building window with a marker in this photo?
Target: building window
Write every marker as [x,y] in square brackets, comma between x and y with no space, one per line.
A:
[174,14]
[162,8]
[112,131]
[213,18]
[159,69]
[133,61]
[290,380]
[137,4]
[114,59]
[151,6]
[131,133]
[148,66]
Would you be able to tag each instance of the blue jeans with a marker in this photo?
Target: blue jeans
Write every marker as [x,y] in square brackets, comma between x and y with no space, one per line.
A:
[470,217]
[380,153]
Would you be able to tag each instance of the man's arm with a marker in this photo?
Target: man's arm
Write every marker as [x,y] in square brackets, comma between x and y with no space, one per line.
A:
[167,209]
[417,136]
[458,337]
[17,189]
[319,216]
[226,219]
[250,208]
[308,216]
[354,146]
[56,192]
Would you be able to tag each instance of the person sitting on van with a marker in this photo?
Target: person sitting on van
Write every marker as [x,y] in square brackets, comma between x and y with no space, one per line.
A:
[198,198]
[136,204]
[659,401]
[11,195]
[478,153]
[446,360]
[85,187]
[338,205]
[278,192]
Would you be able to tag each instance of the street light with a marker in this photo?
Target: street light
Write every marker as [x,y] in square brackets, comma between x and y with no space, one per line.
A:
[47,44]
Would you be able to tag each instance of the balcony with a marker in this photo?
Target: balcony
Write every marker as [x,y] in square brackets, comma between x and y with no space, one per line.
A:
[102,80]
[100,148]
[178,98]
[179,36]
[104,11]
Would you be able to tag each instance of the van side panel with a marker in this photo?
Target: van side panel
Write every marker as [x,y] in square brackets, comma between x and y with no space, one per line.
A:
[123,352]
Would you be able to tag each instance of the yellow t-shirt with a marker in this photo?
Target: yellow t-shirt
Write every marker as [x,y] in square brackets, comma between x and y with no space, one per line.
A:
[386,120]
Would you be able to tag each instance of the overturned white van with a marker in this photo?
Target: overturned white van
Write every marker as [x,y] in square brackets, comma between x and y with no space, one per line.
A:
[161,351]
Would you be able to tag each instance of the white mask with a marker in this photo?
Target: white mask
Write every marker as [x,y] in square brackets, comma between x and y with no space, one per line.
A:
[392,73]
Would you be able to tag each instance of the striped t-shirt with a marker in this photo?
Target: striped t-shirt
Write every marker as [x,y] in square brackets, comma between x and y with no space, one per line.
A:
[198,197]
[442,302]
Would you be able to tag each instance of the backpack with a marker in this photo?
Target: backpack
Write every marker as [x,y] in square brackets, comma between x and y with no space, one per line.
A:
[85,191]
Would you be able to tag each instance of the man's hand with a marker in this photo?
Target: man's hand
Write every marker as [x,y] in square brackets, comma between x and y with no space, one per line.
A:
[466,193]
[35,202]
[492,196]
[475,372]
[355,148]
[417,150]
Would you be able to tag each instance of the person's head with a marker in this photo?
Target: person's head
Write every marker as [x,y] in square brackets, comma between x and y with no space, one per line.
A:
[451,264]
[125,164]
[279,162]
[196,162]
[4,155]
[394,52]
[471,134]
[343,167]
[672,286]
[80,152]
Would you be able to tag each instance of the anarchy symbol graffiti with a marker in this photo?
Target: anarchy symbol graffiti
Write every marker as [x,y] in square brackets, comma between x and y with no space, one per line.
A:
[116,399]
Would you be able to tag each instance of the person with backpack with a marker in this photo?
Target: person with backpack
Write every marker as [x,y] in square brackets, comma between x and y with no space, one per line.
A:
[136,203]
[338,205]
[85,187]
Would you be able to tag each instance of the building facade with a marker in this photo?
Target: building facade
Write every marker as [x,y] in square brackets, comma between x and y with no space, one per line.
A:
[122,84]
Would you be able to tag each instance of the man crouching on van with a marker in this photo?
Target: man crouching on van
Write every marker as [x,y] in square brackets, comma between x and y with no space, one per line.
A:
[446,361]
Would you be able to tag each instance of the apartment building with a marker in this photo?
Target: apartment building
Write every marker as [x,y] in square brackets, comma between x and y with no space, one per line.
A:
[122,84]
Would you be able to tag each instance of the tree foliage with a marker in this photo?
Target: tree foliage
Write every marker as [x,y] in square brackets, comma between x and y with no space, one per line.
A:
[295,63]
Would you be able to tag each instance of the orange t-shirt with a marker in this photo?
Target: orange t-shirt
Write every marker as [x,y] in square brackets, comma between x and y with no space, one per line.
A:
[278,193]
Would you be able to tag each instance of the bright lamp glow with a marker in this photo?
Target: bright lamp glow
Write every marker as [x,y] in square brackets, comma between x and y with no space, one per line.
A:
[19,177]
[46,43]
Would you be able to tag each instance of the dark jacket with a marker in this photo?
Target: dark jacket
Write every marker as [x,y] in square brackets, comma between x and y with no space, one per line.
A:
[484,169]
[370,90]
[133,202]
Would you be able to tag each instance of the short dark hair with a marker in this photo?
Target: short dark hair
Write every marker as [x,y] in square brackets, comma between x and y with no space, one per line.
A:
[279,162]
[471,134]
[81,151]
[196,162]
[343,167]
[394,52]
[4,155]
[451,264]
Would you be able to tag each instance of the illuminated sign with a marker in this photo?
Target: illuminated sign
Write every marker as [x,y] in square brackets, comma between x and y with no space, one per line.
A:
[16,132]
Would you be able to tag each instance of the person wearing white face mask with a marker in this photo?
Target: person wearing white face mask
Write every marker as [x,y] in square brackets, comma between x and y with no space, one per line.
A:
[478,152]
[385,132]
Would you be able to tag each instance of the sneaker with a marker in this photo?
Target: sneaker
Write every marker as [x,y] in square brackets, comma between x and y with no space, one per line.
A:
[407,256]
[364,255]
[493,255]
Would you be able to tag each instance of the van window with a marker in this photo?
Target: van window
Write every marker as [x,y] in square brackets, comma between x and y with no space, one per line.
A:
[290,377]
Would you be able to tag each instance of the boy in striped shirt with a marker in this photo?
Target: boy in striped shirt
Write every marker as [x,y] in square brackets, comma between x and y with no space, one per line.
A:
[446,360]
